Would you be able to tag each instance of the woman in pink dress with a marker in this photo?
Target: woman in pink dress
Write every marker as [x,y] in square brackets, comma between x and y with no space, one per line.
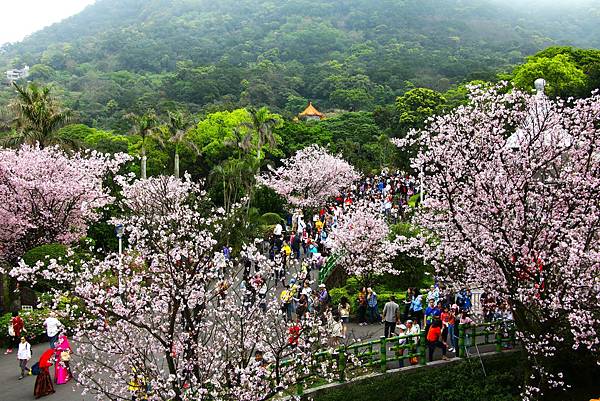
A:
[63,351]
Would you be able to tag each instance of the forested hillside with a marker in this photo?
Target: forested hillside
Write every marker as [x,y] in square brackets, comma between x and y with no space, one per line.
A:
[119,56]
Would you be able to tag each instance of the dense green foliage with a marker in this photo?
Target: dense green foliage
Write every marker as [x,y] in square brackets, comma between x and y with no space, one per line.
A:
[460,381]
[33,324]
[568,71]
[122,56]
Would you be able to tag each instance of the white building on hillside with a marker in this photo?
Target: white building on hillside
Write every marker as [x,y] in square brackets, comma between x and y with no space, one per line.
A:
[16,74]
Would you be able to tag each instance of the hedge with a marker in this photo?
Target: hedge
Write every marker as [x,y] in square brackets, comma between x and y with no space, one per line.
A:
[33,324]
[382,297]
[459,381]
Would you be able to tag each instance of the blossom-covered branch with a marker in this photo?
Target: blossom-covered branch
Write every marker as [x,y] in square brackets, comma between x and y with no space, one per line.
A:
[47,195]
[361,237]
[513,188]
[310,177]
[175,313]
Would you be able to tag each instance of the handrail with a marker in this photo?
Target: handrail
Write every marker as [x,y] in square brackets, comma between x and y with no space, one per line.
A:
[326,270]
[378,353]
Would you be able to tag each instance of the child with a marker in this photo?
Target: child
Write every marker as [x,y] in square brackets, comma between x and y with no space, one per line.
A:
[23,356]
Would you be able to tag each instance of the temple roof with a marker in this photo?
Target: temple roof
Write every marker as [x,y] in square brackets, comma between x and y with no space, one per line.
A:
[311,111]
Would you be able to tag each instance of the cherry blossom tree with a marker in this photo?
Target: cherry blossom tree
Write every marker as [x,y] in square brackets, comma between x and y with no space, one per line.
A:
[49,196]
[310,177]
[513,188]
[175,313]
[361,238]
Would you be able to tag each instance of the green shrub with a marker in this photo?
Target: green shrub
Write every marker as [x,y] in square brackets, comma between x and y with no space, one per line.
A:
[458,381]
[271,219]
[44,253]
[337,294]
[33,322]
[352,285]
[384,297]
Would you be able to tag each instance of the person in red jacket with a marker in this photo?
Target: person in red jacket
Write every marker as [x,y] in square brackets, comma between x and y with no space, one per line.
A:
[43,383]
[294,332]
[434,339]
[16,325]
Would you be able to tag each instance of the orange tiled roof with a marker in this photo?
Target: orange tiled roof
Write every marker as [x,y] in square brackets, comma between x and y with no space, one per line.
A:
[311,111]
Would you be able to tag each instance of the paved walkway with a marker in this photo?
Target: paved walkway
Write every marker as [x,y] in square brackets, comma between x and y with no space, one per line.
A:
[12,389]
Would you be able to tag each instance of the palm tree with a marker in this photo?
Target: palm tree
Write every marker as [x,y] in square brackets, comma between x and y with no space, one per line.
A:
[176,132]
[262,124]
[36,118]
[145,127]
[241,141]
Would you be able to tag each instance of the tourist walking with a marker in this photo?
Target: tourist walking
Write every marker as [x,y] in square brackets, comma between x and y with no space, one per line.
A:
[407,303]
[23,356]
[15,326]
[434,340]
[413,329]
[434,293]
[391,315]
[344,310]
[323,296]
[416,307]
[362,307]
[62,369]
[336,331]
[43,382]
[52,325]
[401,342]
[372,304]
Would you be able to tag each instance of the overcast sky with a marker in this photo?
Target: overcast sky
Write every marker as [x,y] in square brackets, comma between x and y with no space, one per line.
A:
[19,18]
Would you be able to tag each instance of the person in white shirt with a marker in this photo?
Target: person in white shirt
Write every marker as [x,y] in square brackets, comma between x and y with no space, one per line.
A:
[413,328]
[52,325]
[23,356]
[301,224]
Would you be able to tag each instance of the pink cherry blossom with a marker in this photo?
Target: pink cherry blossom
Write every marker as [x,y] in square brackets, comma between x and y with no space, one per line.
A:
[512,186]
[361,238]
[310,177]
[174,313]
[49,196]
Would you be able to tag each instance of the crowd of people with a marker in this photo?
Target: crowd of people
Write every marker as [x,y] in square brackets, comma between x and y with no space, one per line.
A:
[298,251]
[302,245]
[58,354]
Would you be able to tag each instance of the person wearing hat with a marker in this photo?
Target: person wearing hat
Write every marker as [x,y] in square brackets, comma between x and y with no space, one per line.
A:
[323,296]
[401,341]
[413,329]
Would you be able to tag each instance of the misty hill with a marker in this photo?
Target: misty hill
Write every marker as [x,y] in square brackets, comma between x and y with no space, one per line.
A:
[128,55]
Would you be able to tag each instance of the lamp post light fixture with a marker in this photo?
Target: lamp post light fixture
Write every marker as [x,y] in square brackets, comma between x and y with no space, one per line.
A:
[421,185]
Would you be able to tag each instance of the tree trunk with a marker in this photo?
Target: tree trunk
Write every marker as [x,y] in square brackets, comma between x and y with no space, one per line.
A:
[144,165]
[4,293]
[337,278]
[176,167]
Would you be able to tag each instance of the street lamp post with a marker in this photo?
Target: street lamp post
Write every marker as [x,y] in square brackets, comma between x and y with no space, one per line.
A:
[119,233]
[421,186]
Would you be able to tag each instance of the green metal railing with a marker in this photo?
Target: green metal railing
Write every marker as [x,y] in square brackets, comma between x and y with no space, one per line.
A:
[499,333]
[358,359]
[328,267]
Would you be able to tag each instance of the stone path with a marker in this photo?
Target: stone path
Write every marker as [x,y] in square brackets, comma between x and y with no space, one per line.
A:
[12,389]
